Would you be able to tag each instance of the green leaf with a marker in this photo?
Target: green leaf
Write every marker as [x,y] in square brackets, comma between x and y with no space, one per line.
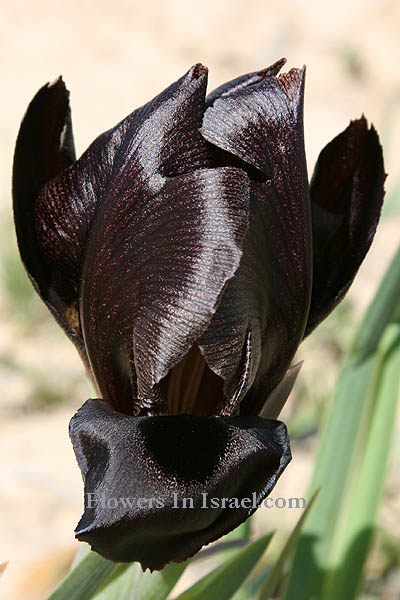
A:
[226,579]
[83,550]
[345,442]
[85,579]
[157,585]
[359,524]
[121,583]
[276,574]
[240,535]
[99,579]
[382,310]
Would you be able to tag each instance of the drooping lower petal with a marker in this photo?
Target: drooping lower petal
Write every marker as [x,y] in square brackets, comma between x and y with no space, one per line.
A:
[140,473]
[346,199]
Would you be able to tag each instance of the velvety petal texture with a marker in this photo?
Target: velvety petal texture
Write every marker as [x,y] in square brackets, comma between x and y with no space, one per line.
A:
[45,149]
[175,251]
[346,194]
[145,503]
[186,256]
[263,312]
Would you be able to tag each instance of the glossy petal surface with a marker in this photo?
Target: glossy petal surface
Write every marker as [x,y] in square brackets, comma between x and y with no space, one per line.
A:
[262,314]
[244,81]
[346,199]
[140,192]
[128,457]
[177,254]
[55,206]
[44,149]
[174,249]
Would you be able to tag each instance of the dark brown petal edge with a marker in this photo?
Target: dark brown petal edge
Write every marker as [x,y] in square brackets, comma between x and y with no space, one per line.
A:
[347,190]
[168,459]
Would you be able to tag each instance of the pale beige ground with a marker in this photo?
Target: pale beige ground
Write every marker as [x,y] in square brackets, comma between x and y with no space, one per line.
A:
[115,56]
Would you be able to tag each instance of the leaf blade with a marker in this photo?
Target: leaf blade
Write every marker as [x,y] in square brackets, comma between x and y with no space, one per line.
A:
[344,441]
[226,579]
[85,579]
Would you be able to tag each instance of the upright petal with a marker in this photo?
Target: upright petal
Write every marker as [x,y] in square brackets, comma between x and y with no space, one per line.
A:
[54,220]
[346,199]
[44,149]
[155,268]
[244,81]
[262,314]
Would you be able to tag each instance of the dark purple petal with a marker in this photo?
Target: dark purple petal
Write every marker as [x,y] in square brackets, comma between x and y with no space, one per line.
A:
[244,81]
[165,460]
[262,314]
[44,149]
[346,199]
[54,220]
[244,121]
[158,259]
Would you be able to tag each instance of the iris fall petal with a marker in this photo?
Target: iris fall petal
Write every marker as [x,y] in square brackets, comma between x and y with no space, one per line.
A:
[126,457]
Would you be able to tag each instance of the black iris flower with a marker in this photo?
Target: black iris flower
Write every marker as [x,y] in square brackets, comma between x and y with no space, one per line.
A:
[186,256]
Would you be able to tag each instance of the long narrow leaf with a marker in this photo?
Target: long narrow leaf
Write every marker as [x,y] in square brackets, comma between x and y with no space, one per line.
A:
[85,579]
[121,584]
[277,571]
[381,311]
[359,526]
[157,585]
[226,579]
[343,445]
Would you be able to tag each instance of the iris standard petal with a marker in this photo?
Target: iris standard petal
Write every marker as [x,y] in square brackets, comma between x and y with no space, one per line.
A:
[55,206]
[347,190]
[262,314]
[139,471]
[44,148]
[243,121]
[244,81]
[157,262]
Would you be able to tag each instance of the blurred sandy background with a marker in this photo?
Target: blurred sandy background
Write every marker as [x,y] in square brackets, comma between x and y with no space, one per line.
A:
[115,56]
